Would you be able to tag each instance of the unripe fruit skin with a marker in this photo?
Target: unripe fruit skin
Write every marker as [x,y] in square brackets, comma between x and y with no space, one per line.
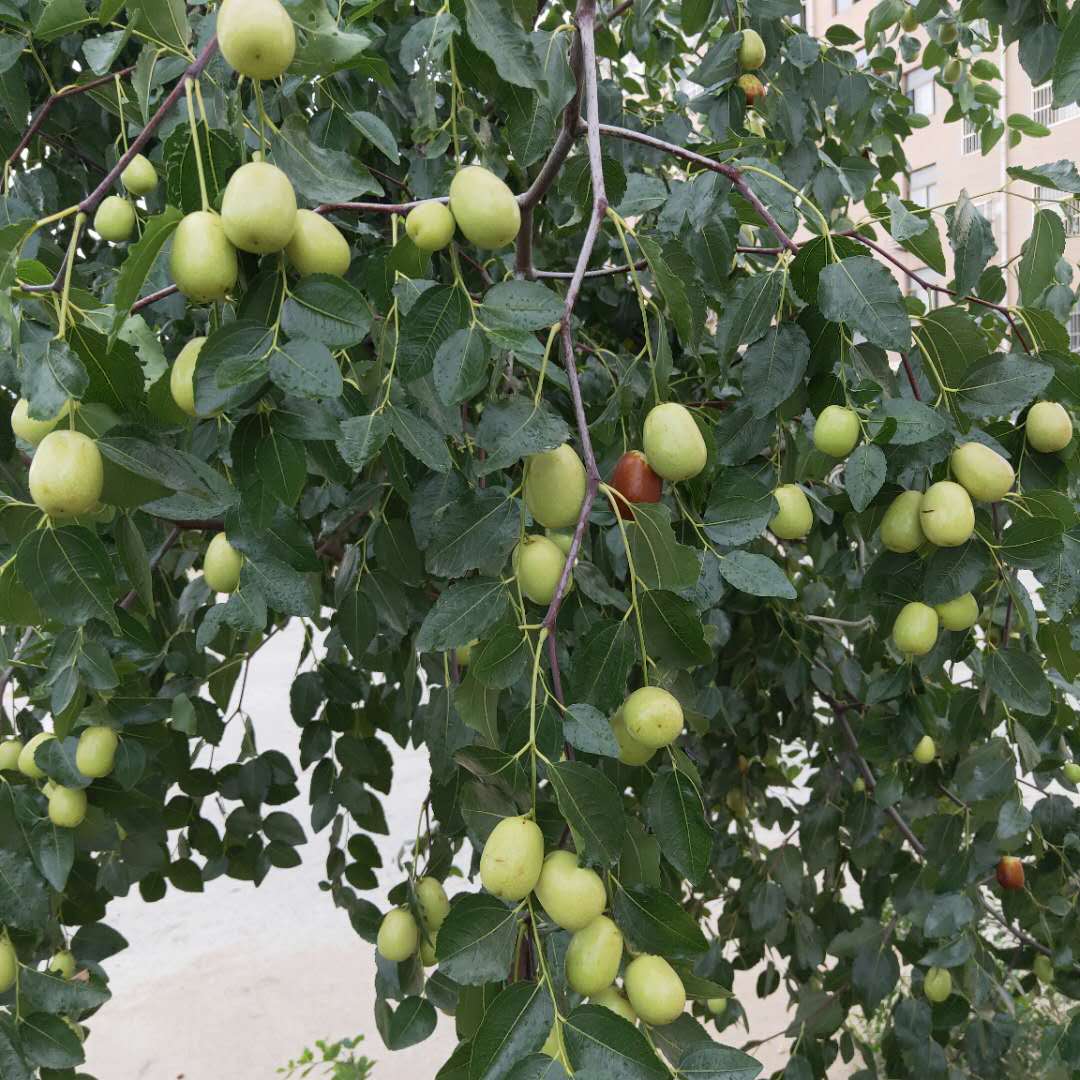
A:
[561,538]
[571,894]
[182,376]
[947,33]
[653,716]
[925,751]
[463,654]
[901,528]
[1049,427]
[538,566]
[67,807]
[9,965]
[1071,770]
[203,260]
[1010,872]
[655,990]
[962,613]
[317,246]
[432,900]
[635,480]
[752,87]
[115,219]
[983,472]
[221,565]
[593,957]
[1043,968]
[62,964]
[631,752]
[837,431]
[616,1002]
[946,514]
[555,487]
[512,858]
[428,950]
[66,474]
[735,801]
[484,208]
[139,176]
[751,51]
[399,936]
[258,209]
[717,1006]
[673,444]
[909,21]
[937,985]
[27,765]
[430,225]
[858,785]
[96,752]
[10,750]
[952,72]
[256,37]
[916,629]
[795,518]
[30,430]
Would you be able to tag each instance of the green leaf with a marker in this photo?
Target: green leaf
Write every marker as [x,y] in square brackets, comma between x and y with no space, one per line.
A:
[410,1023]
[24,895]
[739,510]
[588,730]
[473,530]
[328,309]
[749,311]
[914,422]
[461,614]
[1001,384]
[601,665]
[592,807]
[660,560]
[972,240]
[864,474]
[493,31]
[757,575]
[711,1062]
[376,132]
[599,1042]
[475,943]
[1040,254]
[436,315]
[674,634]
[951,572]
[511,430]
[1066,72]
[501,661]
[1060,175]
[220,156]
[462,365]
[420,439]
[949,338]
[69,574]
[521,305]
[50,1042]
[860,292]
[515,1024]
[362,438]
[322,47]
[317,173]
[53,852]
[1018,679]
[141,257]
[655,922]
[1031,541]
[774,367]
[51,374]
[164,21]
[675,811]
[306,368]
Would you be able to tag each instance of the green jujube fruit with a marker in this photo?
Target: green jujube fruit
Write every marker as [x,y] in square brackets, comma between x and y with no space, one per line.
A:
[571,894]
[430,225]
[139,176]
[653,716]
[538,565]
[512,858]
[655,990]
[983,472]
[555,487]
[317,246]
[593,956]
[795,518]
[182,376]
[258,209]
[222,565]
[484,208]
[256,37]
[946,514]
[115,219]
[901,527]
[30,430]
[96,752]
[66,474]
[673,443]
[961,613]
[916,629]
[203,260]
[398,937]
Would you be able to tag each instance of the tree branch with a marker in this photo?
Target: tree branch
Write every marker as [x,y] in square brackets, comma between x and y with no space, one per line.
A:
[43,113]
[738,181]
[586,19]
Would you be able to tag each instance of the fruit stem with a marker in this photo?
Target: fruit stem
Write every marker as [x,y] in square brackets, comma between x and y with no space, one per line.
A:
[69,266]
[198,148]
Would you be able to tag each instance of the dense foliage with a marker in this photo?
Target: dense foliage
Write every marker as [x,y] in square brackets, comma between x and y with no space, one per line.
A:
[835,809]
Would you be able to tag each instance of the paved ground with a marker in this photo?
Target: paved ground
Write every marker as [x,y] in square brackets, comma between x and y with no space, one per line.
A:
[230,984]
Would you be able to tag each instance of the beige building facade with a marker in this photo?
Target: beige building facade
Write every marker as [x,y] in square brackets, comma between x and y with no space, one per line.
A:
[946,158]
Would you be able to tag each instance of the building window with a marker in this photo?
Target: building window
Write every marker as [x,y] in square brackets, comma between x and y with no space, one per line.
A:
[919,86]
[841,5]
[1074,330]
[972,142]
[922,187]
[930,298]
[991,209]
[1043,111]
[1068,206]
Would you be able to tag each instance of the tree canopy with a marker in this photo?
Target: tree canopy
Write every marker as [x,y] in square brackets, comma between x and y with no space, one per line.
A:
[794,689]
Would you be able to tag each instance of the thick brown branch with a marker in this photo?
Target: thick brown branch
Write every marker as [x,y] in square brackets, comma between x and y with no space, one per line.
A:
[586,19]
